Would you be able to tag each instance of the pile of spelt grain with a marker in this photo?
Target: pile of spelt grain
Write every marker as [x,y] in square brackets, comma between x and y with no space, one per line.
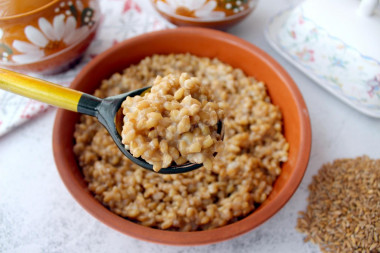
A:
[344,207]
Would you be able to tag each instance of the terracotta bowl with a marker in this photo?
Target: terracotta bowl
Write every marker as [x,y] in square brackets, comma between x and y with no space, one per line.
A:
[205,13]
[229,49]
[46,36]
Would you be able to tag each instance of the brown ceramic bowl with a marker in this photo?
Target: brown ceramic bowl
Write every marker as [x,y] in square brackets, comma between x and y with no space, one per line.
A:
[46,36]
[205,13]
[228,48]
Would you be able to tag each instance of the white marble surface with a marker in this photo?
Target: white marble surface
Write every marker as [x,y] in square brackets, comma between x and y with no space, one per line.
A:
[37,214]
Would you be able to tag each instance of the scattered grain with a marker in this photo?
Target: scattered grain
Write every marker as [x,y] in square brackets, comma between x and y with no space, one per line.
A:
[343,212]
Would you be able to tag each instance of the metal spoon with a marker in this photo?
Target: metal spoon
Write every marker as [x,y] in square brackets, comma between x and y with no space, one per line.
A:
[108,110]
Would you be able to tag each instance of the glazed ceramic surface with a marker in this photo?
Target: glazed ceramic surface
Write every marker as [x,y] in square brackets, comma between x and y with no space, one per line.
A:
[343,57]
[210,13]
[16,7]
[228,48]
[47,37]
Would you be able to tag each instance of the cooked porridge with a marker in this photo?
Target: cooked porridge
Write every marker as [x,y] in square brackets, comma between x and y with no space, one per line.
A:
[242,173]
[174,121]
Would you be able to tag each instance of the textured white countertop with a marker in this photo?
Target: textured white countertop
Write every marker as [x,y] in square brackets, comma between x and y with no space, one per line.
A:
[37,214]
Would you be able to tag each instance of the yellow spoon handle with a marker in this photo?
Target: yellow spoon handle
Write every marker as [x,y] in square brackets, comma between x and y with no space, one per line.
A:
[40,90]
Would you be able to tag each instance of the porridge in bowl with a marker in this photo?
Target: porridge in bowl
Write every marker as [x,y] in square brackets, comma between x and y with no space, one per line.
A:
[241,175]
[174,122]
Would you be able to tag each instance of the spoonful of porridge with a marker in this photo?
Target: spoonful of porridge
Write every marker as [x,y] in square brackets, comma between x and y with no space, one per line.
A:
[170,127]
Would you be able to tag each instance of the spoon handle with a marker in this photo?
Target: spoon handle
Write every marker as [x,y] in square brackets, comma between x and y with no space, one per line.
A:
[48,92]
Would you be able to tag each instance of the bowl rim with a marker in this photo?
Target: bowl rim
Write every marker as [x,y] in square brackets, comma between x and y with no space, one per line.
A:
[223,233]
[41,8]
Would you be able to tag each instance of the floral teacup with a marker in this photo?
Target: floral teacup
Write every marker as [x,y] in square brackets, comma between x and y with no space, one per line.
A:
[48,36]
[206,13]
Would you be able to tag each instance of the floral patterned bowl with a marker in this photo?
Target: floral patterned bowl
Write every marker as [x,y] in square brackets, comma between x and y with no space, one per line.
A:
[205,13]
[46,36]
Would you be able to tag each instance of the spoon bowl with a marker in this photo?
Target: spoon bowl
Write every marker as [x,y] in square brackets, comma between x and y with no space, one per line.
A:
[108,111]
[110,115]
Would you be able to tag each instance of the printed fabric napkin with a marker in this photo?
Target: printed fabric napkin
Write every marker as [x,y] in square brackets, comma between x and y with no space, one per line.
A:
[121,19]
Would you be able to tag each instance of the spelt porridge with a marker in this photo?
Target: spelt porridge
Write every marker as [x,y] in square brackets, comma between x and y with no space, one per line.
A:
[174,121]
[242,173]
